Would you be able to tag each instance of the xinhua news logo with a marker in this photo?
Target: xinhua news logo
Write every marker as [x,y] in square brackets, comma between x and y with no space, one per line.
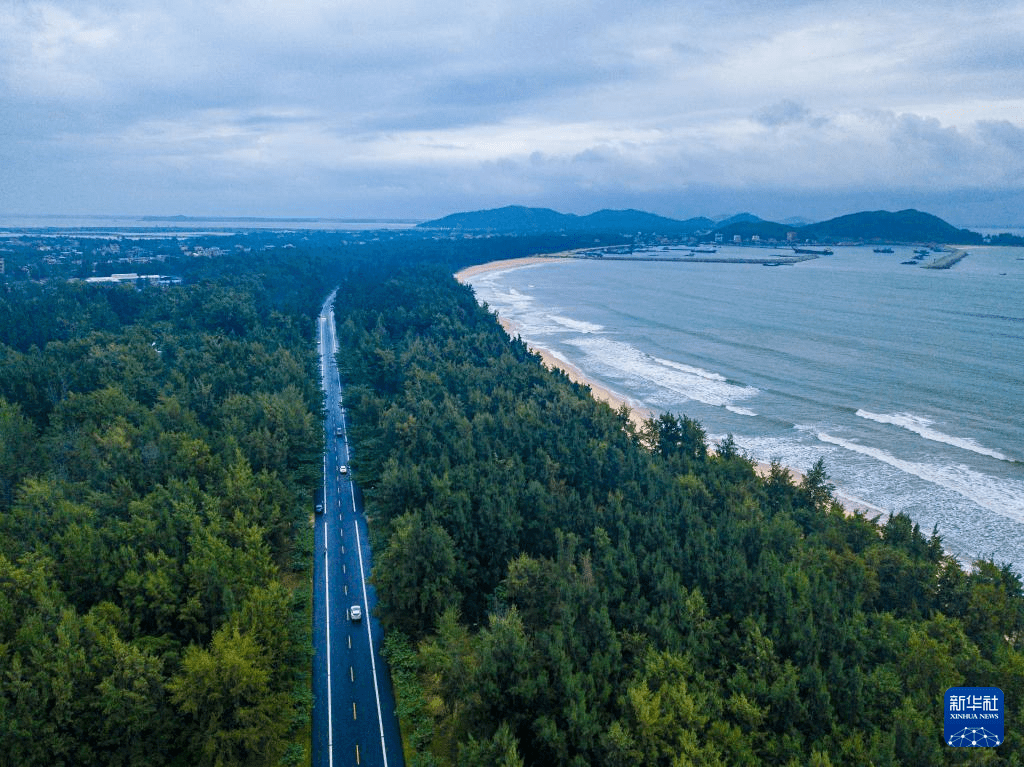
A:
[974,717]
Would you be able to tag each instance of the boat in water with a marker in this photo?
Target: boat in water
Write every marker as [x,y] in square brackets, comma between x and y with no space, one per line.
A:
[813,251]
[883,250]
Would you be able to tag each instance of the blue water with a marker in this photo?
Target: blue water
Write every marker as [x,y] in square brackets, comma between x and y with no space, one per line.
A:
[909,382]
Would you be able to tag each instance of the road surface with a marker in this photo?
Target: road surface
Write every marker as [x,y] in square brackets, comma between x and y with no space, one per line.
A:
[354,719]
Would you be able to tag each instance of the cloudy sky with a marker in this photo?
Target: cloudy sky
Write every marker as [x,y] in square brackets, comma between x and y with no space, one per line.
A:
[409,108]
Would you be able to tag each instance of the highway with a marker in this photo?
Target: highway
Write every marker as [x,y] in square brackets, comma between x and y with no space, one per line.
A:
[354,719]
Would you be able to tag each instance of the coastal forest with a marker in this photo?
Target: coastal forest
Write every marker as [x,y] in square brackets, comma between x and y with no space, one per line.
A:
[560,584]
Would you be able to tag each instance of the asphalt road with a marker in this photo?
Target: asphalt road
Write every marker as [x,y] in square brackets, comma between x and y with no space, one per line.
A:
[354,719]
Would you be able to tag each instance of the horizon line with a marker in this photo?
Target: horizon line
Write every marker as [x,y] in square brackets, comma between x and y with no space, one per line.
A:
[180,217]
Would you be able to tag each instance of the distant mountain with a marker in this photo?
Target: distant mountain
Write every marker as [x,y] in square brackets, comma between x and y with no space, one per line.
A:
[639,221]
[739,218]
[516,218]
[766,230]
[796,221]
[513,218]
[881,225]
[868,226]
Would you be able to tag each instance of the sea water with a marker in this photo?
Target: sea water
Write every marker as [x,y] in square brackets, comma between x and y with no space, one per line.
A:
[909,382]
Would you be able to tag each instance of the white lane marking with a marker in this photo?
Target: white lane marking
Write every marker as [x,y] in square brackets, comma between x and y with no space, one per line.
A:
[362,576]
[327,606]
[369,632]
[327,590]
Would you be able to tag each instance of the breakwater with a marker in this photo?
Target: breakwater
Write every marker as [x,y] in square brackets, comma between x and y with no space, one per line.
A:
[769,260]
[947,261]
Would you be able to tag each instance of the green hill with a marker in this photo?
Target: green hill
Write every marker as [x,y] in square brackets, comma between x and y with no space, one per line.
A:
[766,230]
[520,219]
[738,219]
[881,225]
[512,218]
[867,226]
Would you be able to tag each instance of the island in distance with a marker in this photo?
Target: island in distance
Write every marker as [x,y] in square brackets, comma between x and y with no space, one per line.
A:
[868,226]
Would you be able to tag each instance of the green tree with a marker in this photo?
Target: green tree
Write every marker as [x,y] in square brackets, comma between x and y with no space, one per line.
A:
[136,716]
[19,451]
[666,720]
[502,750]
[416,574]
[235,715]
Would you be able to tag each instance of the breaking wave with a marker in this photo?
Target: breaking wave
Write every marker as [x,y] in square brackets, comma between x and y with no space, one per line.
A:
[923,427]
[1001,496]
[679,381]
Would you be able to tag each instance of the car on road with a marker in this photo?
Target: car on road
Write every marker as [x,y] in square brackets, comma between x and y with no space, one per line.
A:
[339,432]
[355,613]
[343,470]
[319,508]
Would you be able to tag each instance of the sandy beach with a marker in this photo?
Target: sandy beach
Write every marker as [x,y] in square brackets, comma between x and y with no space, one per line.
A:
[638,412]
[508,263]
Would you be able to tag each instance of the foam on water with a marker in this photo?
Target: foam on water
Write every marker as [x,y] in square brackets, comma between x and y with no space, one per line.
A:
[619,358]
[923,427]
[741,411]
[578,326]
[790,452]
[1002,496]
[510,300]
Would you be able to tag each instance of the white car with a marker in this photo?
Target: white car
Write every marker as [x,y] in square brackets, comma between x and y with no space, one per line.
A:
[355,613]
[343,470]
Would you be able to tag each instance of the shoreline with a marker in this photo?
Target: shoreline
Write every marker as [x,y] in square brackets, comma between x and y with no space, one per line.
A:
[638,413]
[508,263]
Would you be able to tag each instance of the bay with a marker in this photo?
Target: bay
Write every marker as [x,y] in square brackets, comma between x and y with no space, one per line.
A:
[909,382]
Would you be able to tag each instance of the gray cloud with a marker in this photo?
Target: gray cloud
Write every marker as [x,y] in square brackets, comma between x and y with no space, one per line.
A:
[783,112]
[313,106]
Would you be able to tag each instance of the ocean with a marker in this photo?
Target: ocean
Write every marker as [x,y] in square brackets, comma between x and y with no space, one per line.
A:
[909,382]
